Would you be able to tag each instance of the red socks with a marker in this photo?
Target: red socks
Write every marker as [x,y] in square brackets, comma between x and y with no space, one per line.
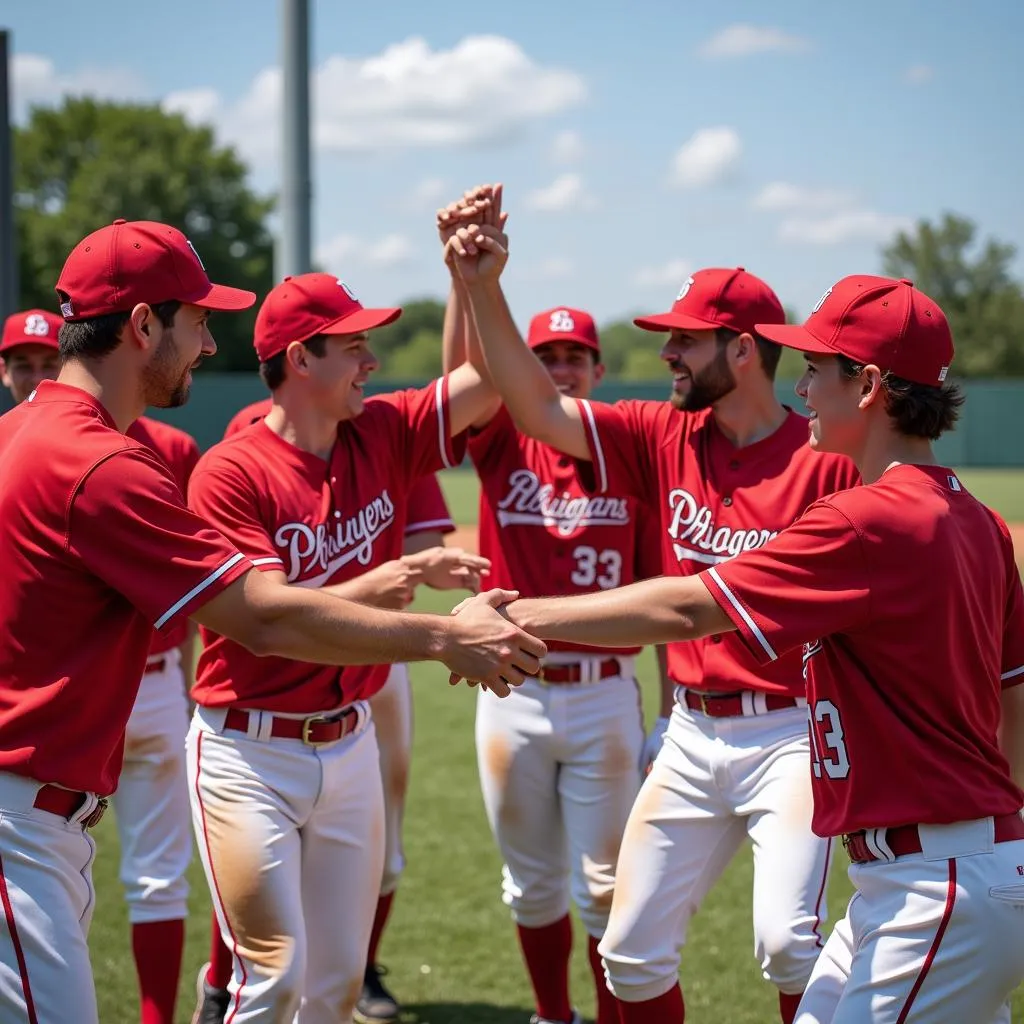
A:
[157,947]
[666,1009]
[380,920]
[788,1006]
[221,959]
[546,952]
[607,1004]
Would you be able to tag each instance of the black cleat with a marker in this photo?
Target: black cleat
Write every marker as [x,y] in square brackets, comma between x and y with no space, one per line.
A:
[211,1003]
[376,1005]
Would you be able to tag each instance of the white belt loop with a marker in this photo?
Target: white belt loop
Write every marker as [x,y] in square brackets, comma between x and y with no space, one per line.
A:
[878,845]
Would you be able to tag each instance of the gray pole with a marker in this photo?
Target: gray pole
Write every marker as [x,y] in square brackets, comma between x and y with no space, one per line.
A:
[8,251]
[294,251]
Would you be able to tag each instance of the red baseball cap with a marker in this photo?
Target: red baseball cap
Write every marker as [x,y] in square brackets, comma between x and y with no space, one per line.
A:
[303,306]
[719,297]
[875,320]
[563,324]
[128,262]
[31,327]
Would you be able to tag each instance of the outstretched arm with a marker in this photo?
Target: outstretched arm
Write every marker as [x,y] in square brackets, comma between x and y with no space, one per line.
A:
[479,252]
[650,612]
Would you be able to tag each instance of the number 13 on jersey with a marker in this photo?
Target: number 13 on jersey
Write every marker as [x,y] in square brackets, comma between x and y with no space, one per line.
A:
[827,741]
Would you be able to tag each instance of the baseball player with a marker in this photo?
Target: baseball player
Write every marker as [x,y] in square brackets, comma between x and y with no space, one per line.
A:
[28,351]
[905,599]
[285,777]
[428,521]
[559,766]
[151,799]
[727,467]
[96,538]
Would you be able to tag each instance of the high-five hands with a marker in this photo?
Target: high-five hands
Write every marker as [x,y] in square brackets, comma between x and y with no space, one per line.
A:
[472,232]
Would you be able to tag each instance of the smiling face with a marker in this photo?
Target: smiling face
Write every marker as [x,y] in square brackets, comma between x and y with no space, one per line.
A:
[701,374]
[836,406]
[178,350]
[336,379]
[571,366]
[24,366]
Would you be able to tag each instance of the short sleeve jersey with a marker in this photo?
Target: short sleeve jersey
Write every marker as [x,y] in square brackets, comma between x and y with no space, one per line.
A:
[98,549]
[906,601]
[179,453]
[428,511]
[320,523]
[543,532]
[713,500]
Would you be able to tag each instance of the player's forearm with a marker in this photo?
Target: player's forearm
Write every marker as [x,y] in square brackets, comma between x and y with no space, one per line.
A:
[1011,731]
[651,612]
[422,540]
[187,652]
[453,333]
[310,626]
[360,588]
[521,379]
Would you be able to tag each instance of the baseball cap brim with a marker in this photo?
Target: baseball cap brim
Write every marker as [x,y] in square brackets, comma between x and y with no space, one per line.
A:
[361,320]
[674,321]
[222,297]
[795,336]
[547,338]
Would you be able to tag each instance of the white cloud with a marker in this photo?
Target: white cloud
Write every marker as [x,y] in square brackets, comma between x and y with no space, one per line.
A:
[340,254]
[555,267]
[709,156]
[742,40]
[668,275]
[200,106]
[390,251]
[566,192]
[483,89]
[567,148]
[35,80]
[431,192]
[844,226]
[919,74]
[783,195]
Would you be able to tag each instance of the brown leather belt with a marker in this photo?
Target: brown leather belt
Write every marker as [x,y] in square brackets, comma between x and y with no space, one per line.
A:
[314,731]
[906,839]
[574,673]
[730,705]
[68,802]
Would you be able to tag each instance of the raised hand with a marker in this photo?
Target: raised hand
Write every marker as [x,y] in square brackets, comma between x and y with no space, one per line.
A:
[478,253]
[480,205]
[450,568]
[392,584]
[486,648]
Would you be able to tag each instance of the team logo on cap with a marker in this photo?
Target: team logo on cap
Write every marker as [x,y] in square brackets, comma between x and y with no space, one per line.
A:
[194,253]
[345,288]
[66,310]
[687,285]
[821,301]
[36,326]
[562,321]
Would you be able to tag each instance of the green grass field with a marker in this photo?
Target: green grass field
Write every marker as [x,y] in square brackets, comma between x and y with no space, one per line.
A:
[451,947]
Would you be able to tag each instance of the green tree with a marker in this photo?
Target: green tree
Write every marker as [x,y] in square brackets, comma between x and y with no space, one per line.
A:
[422,316]
[973,284]
[83,165]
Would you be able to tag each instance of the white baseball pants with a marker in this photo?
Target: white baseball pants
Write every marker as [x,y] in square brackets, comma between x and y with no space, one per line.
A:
[154,822]
[930,938]
[292,841]
[715,782]
[46,901]
[559,770]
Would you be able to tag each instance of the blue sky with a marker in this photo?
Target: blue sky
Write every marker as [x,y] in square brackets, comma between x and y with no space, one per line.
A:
[637,141]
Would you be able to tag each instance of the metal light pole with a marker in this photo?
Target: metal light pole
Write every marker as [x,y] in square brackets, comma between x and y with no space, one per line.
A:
[293,254]
[8,252]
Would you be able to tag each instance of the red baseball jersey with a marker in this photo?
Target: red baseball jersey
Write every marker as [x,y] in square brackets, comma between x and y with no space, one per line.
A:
[907,600]
[714,500]
[97,549]
[427,509]
[544,534]
[320,522]
[179,453]
[247,416]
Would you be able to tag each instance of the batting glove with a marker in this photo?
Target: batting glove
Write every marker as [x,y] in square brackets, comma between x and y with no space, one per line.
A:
[652,744]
